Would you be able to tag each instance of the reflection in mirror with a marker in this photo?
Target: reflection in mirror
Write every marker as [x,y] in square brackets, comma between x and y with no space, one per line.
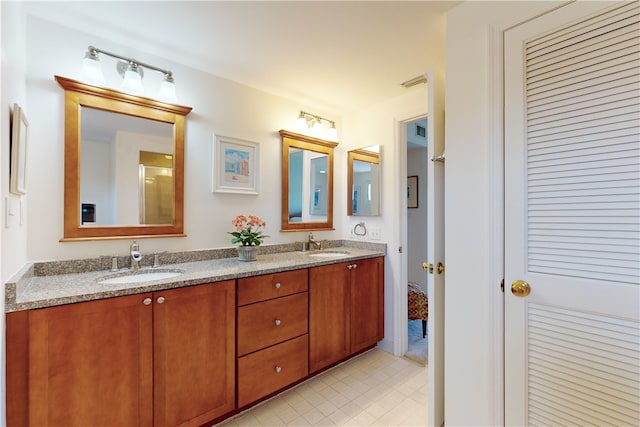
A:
[307,184]
[363,181]
[116,151]
[124,164]
[155,184]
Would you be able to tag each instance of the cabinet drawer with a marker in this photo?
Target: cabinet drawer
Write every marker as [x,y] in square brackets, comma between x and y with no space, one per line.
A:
[270,322]
[266,371]
[268,286]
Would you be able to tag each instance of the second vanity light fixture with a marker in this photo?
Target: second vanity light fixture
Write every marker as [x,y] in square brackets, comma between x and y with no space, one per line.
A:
[132,71]
[312,124]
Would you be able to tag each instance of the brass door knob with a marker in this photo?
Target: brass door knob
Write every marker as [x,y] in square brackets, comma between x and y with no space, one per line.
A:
[520,288]
[440,268]
[427,267]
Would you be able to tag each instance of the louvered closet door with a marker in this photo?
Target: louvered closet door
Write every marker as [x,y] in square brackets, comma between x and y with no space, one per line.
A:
[572,217]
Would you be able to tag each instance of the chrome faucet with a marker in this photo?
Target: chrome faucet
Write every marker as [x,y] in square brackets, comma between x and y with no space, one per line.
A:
[136,256]
[313,243]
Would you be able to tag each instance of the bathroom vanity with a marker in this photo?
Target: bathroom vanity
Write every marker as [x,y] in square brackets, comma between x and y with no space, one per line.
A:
[185,350]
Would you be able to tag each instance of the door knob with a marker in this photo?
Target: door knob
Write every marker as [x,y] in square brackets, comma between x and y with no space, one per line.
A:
[427,267]
[440,268]
[520,288]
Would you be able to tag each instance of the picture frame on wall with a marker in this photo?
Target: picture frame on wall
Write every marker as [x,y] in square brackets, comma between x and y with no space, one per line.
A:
[412,192]
[19,151]
[235,165]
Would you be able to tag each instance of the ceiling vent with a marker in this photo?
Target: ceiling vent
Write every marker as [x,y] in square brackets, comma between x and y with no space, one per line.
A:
[415,81]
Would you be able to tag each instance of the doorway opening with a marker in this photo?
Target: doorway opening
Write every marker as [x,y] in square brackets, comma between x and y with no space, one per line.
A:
[416,220]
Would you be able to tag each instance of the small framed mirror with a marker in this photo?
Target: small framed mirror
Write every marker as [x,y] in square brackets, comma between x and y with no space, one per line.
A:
[363,181]
[124,164]
[307,182]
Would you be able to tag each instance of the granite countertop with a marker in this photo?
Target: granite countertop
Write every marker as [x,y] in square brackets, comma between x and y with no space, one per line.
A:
[35,287]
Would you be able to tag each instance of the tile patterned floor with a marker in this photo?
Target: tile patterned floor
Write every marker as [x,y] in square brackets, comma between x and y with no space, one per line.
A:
[373,389]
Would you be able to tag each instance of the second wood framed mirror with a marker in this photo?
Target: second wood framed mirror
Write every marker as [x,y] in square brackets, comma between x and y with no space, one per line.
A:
[307,182]
[363,181]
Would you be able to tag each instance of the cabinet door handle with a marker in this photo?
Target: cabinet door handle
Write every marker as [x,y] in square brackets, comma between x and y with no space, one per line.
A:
[278,369]
[350,266]
[146,301]
[277,322]
[160,300]
[277,285]
[355,265]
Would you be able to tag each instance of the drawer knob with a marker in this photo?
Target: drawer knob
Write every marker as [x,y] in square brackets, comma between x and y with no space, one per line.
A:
[278,369]
[277,322]
[277,285]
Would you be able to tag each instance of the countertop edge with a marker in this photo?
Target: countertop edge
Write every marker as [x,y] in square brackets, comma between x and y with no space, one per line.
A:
[26,291]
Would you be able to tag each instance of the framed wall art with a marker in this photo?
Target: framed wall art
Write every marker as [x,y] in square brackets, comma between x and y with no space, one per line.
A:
[235,165]
[19,151]
[412,192]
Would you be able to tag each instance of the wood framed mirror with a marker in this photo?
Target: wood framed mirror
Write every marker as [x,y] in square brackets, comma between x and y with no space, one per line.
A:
[363,181]
[124,165]
[307,182]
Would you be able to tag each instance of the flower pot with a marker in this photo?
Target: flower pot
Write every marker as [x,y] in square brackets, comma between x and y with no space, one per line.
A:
[247,253]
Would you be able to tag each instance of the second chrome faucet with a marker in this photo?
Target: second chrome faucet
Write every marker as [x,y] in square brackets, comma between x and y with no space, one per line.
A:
[136,256]
[313,243]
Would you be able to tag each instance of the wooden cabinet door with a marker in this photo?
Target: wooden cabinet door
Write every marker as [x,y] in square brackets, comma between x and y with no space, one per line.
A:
[367,303]
[328,315]
[90,364]
[194,354]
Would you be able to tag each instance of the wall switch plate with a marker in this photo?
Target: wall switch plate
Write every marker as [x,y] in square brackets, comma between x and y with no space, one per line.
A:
[10,212]
[374,233]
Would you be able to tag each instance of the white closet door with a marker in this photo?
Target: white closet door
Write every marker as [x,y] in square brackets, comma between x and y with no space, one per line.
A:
[572,217]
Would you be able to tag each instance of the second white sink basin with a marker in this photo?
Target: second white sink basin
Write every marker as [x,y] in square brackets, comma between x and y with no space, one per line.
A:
[328,254]
[141,276]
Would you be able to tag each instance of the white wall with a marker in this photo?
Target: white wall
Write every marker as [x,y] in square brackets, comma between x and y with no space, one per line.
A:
[97,177]
[381,124]
[473,203]
[219,106]
[13,249]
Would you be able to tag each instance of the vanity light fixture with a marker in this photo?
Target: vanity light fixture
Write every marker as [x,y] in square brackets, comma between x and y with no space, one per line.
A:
[311,124]
[132,71]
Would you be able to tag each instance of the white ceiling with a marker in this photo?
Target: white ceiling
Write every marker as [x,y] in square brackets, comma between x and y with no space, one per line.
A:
[340,55]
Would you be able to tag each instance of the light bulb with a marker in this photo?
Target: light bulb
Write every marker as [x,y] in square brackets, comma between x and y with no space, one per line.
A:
[132,82]
[167,92]
[332,133]
[301,123]
[317,129]
[91,71]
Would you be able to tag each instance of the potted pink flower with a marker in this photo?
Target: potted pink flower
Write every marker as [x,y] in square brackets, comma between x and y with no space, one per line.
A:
[249,235]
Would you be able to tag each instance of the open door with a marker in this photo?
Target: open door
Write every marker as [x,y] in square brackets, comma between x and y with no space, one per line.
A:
[435,247]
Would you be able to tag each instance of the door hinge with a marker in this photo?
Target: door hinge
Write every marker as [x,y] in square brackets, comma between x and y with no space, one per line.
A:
[502,285]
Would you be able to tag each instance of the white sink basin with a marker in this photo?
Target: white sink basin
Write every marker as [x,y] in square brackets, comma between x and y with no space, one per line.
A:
[328,254]
[141,276]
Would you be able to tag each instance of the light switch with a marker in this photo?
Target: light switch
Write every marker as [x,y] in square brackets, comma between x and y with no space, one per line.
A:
[10,212]
[374,232]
